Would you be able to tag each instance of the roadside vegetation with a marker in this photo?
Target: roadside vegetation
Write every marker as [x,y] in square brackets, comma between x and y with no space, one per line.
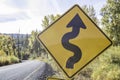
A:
[7,50]
[5,60]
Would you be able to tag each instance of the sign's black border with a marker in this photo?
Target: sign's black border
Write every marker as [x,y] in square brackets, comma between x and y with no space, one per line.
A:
[92,22]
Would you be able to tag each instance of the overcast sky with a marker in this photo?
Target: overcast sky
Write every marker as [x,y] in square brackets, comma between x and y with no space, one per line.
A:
[27,14]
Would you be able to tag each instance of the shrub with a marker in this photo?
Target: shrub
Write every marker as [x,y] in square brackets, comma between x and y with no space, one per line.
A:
[2,60]
[2,53]
[5,60]
[14,59]
[109,65]
[114,73]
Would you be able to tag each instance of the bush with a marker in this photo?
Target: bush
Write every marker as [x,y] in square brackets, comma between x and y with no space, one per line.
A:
[114,73]
[2,53]
[109,65]
[14,59]
[2,60]
[5,60]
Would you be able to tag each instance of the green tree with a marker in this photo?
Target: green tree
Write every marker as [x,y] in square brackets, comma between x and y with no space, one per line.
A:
[25,47]
[26,41]
[49,20]
[90,11]
[111,20]
[7,44]
[34,46]
[7,50]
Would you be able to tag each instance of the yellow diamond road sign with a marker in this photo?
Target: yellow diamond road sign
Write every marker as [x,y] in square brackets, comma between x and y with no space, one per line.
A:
[74,40]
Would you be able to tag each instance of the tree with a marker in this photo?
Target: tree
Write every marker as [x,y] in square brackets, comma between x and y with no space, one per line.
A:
[6,45]
[90,11]
[25,47]
[7,50]
[34,46]
[111,20]
[49,20]
[26,41]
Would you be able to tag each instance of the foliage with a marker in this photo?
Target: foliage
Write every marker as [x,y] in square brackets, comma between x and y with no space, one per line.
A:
[2,53]
[49,20]
[5,60]
[7,50]
[35,48]
[25,51]
[111,19]
[7,45]
[109,65]
[90,11]
[28,46]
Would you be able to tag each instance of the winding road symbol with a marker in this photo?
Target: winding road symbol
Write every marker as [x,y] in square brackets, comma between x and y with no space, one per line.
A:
[76,23]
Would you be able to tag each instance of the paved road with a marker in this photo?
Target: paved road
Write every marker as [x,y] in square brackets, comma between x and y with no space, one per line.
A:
[21,71]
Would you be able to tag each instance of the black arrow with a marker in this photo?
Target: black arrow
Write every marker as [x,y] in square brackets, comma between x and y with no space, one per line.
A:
[76,23]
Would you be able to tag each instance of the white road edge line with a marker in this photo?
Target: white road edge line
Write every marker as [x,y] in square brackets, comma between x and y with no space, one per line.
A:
[32,73]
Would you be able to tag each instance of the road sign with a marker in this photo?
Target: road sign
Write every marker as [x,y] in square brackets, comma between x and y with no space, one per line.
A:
[74,40]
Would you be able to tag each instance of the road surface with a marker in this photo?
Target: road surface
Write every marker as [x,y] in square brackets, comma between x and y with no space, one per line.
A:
[28,70]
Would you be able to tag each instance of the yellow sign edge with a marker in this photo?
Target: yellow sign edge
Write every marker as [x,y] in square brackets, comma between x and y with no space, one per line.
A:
[54,78]
[76,5]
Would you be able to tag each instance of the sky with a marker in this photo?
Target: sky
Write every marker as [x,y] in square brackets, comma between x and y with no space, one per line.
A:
[27,15]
